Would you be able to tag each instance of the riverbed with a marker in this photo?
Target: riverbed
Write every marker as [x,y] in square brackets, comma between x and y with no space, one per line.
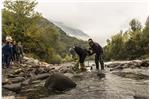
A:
[131,81]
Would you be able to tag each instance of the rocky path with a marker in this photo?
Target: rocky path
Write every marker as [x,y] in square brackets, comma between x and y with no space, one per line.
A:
[125,80]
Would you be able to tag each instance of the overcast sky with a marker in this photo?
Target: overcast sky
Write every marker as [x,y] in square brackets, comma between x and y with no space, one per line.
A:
[100,20]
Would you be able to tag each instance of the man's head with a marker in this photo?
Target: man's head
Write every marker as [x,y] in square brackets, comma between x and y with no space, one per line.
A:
[90,41]
[8,38]
[14,42]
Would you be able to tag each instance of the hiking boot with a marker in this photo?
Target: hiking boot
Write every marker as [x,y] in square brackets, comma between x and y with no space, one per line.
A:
[83,69]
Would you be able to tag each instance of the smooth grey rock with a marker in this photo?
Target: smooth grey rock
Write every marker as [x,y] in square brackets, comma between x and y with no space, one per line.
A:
[13,87]
[59,82]
[26,82]
[8,97]
[17,79]
[42,76]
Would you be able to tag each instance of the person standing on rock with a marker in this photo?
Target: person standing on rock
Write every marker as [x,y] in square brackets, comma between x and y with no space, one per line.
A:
[14,50]
[3,44]
[82,53]
[19,52]
[98,51]
[7,52]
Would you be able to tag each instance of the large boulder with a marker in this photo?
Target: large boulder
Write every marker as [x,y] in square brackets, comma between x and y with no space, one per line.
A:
[59,82]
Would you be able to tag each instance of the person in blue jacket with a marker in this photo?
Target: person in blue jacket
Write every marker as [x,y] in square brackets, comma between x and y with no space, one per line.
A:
[7,52]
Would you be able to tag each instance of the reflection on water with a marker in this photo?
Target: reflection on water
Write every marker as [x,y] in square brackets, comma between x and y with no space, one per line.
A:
[113,86]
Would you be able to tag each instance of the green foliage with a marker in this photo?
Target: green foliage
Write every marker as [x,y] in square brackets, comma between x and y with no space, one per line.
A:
[40,37]
[67,58]
[131,44]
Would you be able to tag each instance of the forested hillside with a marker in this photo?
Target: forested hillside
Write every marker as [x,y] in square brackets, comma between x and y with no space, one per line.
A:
[129,45]
[40,37]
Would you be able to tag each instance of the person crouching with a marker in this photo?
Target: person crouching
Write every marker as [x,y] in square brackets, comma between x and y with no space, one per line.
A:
[82,53]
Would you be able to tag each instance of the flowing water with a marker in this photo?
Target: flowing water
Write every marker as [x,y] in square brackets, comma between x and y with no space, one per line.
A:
[121,84]
[112,86]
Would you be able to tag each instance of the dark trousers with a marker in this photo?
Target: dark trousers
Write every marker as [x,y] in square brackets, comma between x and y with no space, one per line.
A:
[99,58]
[7,60]
[82,58]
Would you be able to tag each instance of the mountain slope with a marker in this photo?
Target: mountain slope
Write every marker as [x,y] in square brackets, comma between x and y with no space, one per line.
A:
[72,31]
[55,41]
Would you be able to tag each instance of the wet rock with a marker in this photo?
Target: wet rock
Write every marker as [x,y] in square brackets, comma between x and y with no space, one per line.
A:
[145,63]
[36,81]
[41,71]
[17,79]
[141,97]
[101,75]
[17,71]
[6,92]
[78,77]
[9,97]
[13,87]
[41,76]
[26,82]
[35,66]
[5,81]
[120,67]
[132,75]
[113,65]
[59,82]
[11,76]
[70,75]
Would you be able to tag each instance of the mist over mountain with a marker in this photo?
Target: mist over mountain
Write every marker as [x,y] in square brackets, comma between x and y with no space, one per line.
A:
[74,32]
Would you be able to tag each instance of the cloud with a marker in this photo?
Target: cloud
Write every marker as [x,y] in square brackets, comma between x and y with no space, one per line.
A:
[100,20]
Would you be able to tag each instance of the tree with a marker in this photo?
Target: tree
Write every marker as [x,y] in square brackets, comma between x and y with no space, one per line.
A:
[131,44]
[135,25]
[18,17]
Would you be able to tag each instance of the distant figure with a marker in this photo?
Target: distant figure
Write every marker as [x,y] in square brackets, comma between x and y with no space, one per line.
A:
[98,50]
[7,52]
[82,53]
[3,44]
[19,52]
[14,51]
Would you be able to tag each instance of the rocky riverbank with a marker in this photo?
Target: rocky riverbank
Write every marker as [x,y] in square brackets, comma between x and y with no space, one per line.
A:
[123,80]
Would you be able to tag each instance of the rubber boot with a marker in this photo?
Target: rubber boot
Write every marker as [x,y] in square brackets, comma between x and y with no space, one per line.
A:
[82,67]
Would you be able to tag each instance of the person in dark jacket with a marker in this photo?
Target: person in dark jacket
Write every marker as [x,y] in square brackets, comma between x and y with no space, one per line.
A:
[82,53]
[7,52]
[98,51]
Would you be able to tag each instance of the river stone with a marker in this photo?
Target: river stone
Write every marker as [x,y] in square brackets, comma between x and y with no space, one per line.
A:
[70,75]
[141,97]
[26,82]
[17,79]
[42,76]
[5,81]
[59,82]
[145,63]
[11,76]
[13,87]
[17,71]
[9,97]
[100,74]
